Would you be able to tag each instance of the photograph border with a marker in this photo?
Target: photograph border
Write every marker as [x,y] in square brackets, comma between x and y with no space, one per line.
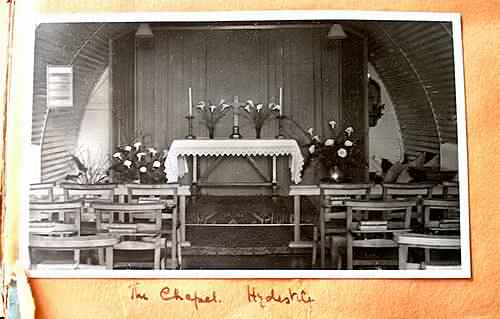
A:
[227,16]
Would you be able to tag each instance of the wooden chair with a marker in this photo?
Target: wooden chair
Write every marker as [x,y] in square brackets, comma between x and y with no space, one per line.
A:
[137,236]
[42,192]
[332,219]
[88,193]
[75,244]
[55,218]
[450,190]
[410,191]
[167,194]
[441,217]
[427,242]
[375,231]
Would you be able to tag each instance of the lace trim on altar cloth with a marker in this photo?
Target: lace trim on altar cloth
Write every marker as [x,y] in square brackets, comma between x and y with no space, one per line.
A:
[176,164]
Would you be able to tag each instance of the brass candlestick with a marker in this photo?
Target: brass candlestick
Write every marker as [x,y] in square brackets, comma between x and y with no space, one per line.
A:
[280,127]
[190,135]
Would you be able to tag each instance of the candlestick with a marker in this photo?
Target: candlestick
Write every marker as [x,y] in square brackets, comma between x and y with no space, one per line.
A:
[281,101]
[190,127]
[190,98]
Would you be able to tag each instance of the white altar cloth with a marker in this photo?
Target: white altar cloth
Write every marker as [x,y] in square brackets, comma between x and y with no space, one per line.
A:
[176,165]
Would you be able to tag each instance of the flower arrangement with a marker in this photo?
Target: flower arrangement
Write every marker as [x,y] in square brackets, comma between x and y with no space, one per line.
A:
[211,114]
[89,168]
[337,153]
[138,163]
[259,114]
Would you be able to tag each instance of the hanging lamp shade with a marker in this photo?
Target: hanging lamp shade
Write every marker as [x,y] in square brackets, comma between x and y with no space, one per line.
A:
[336,32]
[144,31]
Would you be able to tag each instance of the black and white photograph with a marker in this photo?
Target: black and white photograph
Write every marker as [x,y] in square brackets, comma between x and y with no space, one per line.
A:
[309,144]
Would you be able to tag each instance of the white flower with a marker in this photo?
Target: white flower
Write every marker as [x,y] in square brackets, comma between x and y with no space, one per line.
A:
[312,149]
[342,152]
[222,101]
[332,124]
[276,107]
[201,105]
[247,108]
[152,150]
[156,164]
[140,155]
[117,155]
[128,148]
[329,142]
[137,145]
[348,143]
[212,108]
[225,106]
[127,163]
[310,131]
[315,138]
[143,169]
[259,107]
[349,130]
[165,153]
[250,102]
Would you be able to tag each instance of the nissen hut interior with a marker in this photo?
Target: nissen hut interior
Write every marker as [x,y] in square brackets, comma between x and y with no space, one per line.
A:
[270,145]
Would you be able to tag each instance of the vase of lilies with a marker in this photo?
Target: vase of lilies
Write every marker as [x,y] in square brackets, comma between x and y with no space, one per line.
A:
[138,164]
[211,114]
[338,153]
[260,114]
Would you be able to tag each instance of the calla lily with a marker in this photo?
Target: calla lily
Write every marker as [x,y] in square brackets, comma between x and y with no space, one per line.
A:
[201,105]
[141,155]
[143,169]
[137,145]
[259,107]
[329,142]
[332,124]
[128,148]
[127,163]
[349,130]
[250,102]
[276,107]
[247,108]
[315,138]
[152,150]
[156,164]
[212,108]
[225,106]
[312,149]
[117,155]
[342,152]
[310,131]
[348,143]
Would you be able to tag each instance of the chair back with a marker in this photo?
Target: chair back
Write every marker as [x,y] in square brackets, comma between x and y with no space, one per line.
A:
[45,217]
[448,212]
[336,194]
[406,240]
[136,209]
[450,190]
[376,207]
[88,191]
[411,190]
[42,192]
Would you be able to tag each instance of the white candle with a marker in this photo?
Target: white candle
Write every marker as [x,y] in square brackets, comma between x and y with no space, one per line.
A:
[235,111]
[190,95]
[281,101]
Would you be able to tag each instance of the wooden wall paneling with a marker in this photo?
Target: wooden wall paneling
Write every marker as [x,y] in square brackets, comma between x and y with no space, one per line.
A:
[354,92]
[162,121]
[145,92]
[123,89]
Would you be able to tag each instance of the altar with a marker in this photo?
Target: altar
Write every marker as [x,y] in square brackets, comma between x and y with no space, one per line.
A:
[177,166]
